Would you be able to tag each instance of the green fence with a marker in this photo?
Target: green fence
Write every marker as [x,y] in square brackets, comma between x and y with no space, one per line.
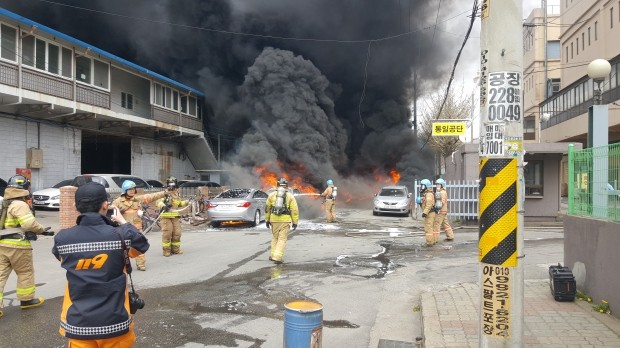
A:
[593,179]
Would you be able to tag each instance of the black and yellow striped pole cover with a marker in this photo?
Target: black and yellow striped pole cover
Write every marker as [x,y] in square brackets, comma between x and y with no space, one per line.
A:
[498,212]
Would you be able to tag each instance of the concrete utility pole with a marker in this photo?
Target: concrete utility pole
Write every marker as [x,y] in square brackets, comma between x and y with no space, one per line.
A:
[501,202]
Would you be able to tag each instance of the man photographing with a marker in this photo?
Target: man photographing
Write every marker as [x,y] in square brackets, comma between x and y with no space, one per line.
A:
[96,307]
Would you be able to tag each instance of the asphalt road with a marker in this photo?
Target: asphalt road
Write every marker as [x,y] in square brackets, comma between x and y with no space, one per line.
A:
[367,271]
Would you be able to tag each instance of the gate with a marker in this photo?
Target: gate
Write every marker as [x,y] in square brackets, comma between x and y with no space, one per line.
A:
[462,199]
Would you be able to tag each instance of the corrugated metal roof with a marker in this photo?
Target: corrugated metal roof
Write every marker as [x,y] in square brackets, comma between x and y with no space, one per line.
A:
[43,28]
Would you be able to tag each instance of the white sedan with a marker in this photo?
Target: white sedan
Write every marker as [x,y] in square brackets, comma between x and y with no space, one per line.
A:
[49,197]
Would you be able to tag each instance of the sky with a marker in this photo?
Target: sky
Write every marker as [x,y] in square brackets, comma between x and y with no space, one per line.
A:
[321,88]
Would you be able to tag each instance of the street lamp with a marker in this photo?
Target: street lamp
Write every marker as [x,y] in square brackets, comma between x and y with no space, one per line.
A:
[598,135]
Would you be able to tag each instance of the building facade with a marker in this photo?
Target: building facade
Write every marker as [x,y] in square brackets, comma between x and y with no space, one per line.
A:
[68,108]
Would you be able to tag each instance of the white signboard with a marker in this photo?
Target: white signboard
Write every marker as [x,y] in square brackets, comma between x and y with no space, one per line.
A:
[504,97]
[492,141]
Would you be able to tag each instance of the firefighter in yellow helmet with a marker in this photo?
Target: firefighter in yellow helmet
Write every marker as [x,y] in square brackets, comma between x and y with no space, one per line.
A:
[170,218]
[18,227]
[428,211]
[441,219]
[281,214]
[130,206]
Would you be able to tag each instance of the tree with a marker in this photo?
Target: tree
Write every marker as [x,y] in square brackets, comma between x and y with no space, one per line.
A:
[458,106]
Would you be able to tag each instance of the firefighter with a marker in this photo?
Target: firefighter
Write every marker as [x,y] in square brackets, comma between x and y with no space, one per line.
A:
[441,219]
[130,206]
[19,227]
[281,214]
[171,218]
[428,211]
[330,201]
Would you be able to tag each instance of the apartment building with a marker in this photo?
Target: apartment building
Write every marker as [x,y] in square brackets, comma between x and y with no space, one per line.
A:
[589,30]
[68,108]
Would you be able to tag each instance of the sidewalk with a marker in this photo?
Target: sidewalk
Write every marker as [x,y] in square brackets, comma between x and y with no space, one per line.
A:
[450,319]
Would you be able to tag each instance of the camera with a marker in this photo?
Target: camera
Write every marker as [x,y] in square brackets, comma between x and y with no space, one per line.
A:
[135,302]
[110,212]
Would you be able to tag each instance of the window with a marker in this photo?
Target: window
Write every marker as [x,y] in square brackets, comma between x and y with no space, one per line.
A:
[589,35]
[82,69]
[595,31]
[101,77]
[529,128]
[53,59]
[583,41]
[184,104]
[553,86]
[175,100]
[127,100]
[66,67]
[533,175]
[192,106]
[611,18]
[571,50]
[567,53]
[28,50]
[577,46]
[39,59]
[158,94]
[553,49]
[7,42]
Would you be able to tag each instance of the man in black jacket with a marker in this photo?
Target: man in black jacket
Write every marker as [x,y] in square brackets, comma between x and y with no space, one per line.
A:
[95,310]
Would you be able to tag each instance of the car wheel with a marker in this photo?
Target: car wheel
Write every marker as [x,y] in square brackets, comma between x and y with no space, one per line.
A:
[216,224]
[375,213]
[256,219]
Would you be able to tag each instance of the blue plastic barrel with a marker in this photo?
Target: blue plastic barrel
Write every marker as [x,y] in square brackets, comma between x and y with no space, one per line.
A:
[303,324]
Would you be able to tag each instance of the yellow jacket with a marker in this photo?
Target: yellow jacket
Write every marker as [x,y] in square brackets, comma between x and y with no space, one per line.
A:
[291,204]
[175,203]
[428,202]
[20,216]
[129,207]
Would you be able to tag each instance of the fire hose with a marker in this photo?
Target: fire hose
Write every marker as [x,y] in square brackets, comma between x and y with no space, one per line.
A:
[163,210]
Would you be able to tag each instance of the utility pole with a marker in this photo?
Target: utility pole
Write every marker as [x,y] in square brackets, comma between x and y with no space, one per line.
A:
[501,202]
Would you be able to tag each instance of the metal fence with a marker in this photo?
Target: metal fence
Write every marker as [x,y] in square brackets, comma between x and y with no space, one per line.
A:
[462,199]
[593,179]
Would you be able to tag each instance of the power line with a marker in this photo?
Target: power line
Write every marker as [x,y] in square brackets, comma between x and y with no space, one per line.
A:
[458,56]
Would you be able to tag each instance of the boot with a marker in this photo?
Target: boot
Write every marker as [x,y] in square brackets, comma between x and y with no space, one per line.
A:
[177,251]
[141,263]
[35,302]
[166,252]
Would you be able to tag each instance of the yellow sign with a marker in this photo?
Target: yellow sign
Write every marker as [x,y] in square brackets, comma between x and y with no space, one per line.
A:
[443,129]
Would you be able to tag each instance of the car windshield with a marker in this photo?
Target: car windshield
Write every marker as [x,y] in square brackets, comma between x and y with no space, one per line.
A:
[234,193]
[392,193]
[81,180]
[62,183]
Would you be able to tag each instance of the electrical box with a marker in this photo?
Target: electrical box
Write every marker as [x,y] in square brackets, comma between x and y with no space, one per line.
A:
[34,158]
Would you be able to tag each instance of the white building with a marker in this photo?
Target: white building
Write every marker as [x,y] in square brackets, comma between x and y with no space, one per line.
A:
[68,108]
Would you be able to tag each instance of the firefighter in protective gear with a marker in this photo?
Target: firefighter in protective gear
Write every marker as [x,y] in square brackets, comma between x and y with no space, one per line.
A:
[171,218]
[441,219]
[280,217]
[130,206]
[330,201]
[15,249]
[428,211]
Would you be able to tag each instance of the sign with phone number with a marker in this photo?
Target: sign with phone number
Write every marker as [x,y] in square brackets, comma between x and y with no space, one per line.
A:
[492,140]
[504,97]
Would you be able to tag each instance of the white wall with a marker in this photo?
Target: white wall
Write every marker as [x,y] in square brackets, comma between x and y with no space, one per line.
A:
[61,148]
[158,160]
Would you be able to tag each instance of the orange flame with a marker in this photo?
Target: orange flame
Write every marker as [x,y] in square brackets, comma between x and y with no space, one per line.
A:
[269,179]
[393,178]
[395,175]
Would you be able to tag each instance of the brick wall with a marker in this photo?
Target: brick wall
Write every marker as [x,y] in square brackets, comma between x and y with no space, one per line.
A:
[68,214]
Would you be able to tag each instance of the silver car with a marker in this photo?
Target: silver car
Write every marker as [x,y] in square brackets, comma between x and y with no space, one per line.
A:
[393,200]
[237,205]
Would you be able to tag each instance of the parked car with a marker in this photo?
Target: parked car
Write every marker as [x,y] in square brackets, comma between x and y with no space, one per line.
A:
[393,200]
[239,204]
[49,197]
[3,185]
[155,183]
[111,182]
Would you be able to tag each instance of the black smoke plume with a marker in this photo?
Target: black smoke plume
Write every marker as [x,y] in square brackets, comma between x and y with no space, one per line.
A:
[328,104]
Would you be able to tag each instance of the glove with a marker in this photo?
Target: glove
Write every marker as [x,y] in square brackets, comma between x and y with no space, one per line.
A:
[267,224]
[168,206]
[30,236]
[423,215]
[294,226]
[47,232]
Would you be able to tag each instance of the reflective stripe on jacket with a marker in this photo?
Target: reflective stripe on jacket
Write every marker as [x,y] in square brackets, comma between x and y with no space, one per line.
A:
[176,203]
[96,303]
[291,204]
[129,207]
[20,216]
